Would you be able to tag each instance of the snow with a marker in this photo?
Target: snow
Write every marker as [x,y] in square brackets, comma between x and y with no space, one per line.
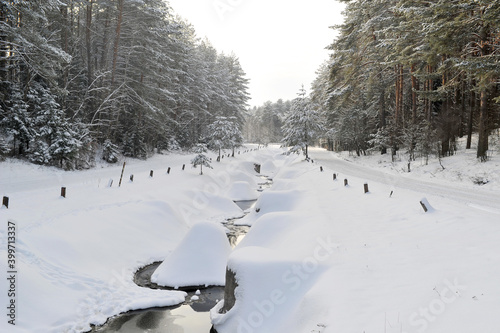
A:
[200,259]
[339,260]
[242,191]
[320,257]
[76,256]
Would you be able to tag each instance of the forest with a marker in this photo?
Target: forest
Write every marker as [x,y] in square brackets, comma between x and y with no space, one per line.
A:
[125,77]
[131,77]
[412,76]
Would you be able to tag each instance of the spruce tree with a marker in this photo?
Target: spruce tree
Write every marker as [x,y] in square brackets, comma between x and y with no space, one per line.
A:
[303,124]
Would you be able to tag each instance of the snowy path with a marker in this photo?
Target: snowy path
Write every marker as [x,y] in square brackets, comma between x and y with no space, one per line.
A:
[476,196]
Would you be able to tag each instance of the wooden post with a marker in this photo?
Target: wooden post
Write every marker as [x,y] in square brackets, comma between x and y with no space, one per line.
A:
[256,167]
[168,170]
[5,202]
[132,178]
[424,206]
[151,173]
[366,188]
[183,167]
[121,176]
[334,176]
[346,182]
[321,168]
[390,195]
[63,192]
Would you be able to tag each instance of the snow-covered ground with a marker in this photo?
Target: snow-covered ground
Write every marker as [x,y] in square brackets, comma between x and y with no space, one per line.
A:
[75,257]
[320,257]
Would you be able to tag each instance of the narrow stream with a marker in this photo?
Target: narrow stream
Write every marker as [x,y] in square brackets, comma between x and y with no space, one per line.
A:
[188,317]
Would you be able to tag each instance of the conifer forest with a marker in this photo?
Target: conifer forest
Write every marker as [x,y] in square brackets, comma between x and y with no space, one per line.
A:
[123,76]
[131,77]
[413,76]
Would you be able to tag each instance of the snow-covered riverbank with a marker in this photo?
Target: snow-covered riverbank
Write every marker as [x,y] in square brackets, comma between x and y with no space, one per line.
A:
[320,257]
[324,257]
[76,256]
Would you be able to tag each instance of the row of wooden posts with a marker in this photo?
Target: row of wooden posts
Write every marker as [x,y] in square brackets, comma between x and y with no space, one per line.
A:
[5,200]
[346,182]
[366,190]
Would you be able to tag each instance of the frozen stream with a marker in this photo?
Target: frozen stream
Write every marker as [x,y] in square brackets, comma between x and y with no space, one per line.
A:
[189,317]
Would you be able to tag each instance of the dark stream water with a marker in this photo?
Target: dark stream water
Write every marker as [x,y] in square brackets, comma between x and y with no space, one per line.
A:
[192,316]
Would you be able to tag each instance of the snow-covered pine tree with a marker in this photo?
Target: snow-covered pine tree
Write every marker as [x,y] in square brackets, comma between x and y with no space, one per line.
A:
[4,148]
[303,124]
[200,159]
[110,151]
[55,142]
[16,120]
[224,134]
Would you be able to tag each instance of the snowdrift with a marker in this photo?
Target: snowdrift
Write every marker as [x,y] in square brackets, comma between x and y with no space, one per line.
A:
[199,260]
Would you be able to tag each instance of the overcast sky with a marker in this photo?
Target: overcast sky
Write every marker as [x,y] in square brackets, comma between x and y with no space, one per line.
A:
[280,43]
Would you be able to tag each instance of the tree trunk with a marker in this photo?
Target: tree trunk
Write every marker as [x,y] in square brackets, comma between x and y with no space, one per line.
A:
[88,42]
[117,39]
[4,51]
[482,146]
[470,120]
[381,113]
[428,102]
[414,97]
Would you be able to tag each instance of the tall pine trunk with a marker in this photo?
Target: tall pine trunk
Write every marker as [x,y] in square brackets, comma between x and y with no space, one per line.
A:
[117,39]
[482,146]
[88,41]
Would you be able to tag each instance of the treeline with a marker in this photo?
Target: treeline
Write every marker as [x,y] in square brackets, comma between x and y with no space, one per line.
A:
[129,76]
[264,123]
[413,75]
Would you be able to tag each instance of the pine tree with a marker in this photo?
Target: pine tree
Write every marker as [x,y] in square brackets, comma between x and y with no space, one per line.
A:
[55,141]
[201,159]
[224,133]
[110,152]
[303,124]
[16,120]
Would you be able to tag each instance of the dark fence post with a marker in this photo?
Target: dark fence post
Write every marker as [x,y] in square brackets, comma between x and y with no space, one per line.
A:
[321,168]
[5,202]
[256,167]
[151,173]
[422,203]
[334,176]
[121,176]
[183,167]
[168,170]
[63,192]
[132,178]
[346,182]
[366,188]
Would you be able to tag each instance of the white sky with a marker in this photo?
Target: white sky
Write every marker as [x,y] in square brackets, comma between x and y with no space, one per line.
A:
[280,43]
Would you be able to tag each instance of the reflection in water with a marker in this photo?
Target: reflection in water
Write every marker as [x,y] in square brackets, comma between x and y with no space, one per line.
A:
[191,317]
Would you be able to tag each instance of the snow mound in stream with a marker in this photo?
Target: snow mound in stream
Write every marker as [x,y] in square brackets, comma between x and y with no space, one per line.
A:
[241,191]
[200,259]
